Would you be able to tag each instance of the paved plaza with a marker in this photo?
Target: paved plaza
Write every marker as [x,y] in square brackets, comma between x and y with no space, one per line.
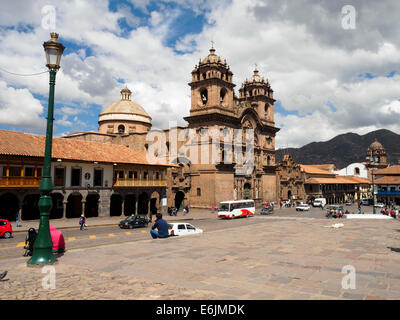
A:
[279,257]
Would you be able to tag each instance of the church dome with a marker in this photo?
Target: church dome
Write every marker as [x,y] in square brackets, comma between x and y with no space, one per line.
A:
[125,109]
[376,146]
[212,58]
[255,78]
[124,116]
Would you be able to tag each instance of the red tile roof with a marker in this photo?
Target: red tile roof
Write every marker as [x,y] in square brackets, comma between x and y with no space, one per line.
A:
[312,169]
[395,170]
[31,145]
[338,180]
[388,180]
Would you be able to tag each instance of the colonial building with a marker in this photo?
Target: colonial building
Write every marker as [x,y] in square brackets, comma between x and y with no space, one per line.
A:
[213,176]
[93,178]
[290,182]
[387,185]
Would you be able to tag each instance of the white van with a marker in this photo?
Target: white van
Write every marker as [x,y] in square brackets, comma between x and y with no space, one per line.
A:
[319,202]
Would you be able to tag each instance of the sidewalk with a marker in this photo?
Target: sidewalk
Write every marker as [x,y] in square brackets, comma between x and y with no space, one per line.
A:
[194,214]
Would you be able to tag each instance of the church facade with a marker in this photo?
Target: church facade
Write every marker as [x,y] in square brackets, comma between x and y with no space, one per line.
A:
[228,147]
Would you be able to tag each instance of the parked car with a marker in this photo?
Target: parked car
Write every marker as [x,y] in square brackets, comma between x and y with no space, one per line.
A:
[5,229]
[379,205]
[319,202]
[134,222]
[366,202]
[349,203]
[182,229]
[267,210]
[303,207]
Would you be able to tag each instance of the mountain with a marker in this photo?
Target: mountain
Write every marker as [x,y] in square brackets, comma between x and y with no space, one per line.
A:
[345,149]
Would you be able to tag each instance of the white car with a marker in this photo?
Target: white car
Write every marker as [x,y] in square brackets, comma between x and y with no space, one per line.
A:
[182,229]
[379,205]
[303,207]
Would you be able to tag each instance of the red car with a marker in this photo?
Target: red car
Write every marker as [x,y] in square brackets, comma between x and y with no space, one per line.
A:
[5,229]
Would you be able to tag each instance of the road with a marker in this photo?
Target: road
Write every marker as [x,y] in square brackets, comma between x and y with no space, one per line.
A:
[103,235]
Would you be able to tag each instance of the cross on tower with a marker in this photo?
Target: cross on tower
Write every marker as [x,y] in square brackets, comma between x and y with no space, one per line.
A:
[212,44]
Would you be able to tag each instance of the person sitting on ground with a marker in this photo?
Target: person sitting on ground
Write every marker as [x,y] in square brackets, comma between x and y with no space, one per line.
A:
[58,240]
[162,227]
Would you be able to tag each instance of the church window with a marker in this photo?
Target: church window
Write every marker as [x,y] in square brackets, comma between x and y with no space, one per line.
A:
[204,76]
[266,109]
[268,160]
[204,96]
[222,94]
[198,192]
[121,129]
[356,171]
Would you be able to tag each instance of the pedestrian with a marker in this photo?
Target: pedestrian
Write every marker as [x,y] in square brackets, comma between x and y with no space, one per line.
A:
[29,242]
[82,222]
[175,211]
[18,219]
[186,210]
[212,209]
[280,204]
[162,227]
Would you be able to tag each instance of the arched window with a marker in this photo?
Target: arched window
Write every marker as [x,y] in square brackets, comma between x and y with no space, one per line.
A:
[268,160]
[204,96]
[356,171]
[121,129]
[266,109]
[222,95]
[204,76]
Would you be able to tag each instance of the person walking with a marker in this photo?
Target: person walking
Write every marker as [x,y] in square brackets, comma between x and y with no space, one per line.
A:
[18,219]
[186,210]
[82,222]
[212,209]
[162,228]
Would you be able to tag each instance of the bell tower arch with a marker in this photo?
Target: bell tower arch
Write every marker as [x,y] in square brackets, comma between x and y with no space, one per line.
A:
[211,86]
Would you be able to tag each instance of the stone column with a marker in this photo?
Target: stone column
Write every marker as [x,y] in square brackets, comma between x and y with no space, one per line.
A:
[136,204]
[83,206]
[64,215]
[122,206]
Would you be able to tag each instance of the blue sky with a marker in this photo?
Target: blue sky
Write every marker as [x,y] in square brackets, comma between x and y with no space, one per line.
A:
[320,73]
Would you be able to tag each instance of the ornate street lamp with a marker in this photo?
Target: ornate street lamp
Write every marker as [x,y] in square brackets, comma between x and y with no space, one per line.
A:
[42,249]
[373,160]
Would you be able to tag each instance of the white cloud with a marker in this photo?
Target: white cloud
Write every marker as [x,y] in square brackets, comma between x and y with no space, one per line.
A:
[19,108]
[299,46]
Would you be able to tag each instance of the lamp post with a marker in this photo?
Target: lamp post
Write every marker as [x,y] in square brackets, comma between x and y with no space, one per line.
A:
[372,160]
[42,249]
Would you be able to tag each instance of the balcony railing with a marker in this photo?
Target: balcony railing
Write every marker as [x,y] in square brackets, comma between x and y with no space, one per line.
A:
[19,182]
[139,183]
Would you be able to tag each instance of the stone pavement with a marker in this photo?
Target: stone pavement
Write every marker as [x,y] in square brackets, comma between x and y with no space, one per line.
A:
[275,259]
[103,221]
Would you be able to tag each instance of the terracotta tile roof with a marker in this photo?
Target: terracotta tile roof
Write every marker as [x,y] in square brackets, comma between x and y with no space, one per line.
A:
[338,180]
[324,166]
[31,145]
[312,169]
[388,171]
[388,180]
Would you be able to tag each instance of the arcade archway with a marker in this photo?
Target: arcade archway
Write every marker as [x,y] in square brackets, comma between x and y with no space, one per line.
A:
[179,200]
[74,205]
[9,205]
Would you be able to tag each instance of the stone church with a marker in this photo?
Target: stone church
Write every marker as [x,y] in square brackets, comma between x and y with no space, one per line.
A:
[214,107]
